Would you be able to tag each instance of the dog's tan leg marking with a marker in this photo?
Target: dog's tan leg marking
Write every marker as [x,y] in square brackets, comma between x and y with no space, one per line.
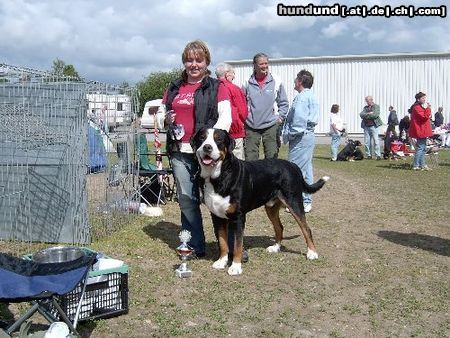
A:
[222,262]
[223,240]
[237,250]
[273,213]
[236,267]
[306,231]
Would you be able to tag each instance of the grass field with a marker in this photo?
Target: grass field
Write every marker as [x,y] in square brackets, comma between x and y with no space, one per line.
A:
[383,240]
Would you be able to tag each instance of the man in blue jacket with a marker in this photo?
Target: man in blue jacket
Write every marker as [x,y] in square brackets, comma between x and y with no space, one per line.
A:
[268,106]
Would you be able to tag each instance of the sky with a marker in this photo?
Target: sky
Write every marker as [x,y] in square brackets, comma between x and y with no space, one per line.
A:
[115,40]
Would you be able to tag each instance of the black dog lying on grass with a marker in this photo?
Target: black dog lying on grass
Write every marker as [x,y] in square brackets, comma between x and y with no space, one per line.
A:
[351,152]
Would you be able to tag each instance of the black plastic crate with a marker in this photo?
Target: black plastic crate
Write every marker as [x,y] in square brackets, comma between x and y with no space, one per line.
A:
[105,296]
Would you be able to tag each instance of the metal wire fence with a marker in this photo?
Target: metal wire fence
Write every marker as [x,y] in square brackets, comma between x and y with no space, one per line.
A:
[61,178]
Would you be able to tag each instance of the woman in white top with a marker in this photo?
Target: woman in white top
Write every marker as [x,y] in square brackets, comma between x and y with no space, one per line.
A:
[336,129]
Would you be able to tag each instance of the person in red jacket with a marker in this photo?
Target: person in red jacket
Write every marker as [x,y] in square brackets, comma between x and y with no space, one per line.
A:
[239,109]
[420,129]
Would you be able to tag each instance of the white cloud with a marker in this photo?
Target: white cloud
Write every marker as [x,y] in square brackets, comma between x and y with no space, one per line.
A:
[264,18]
[113,40]
[335,29]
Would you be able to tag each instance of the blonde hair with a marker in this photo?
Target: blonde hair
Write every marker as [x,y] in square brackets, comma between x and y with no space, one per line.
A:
[198,48]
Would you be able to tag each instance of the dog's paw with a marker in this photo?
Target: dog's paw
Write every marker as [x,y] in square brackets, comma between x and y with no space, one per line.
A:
[235,269]
[274,248]
[221,263]
[312,255]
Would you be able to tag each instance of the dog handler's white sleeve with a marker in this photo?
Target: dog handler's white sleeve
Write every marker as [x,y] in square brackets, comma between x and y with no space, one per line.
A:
[161,116]
[224,120]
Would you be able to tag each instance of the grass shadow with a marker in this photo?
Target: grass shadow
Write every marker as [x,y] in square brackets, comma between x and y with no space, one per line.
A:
[5,314]
[168,233]
[395,166]
[86,328]
[164,231]
[440,246]
[322,157]
[266,241]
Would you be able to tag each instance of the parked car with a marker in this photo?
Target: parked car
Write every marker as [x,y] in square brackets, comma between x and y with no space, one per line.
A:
[148,114]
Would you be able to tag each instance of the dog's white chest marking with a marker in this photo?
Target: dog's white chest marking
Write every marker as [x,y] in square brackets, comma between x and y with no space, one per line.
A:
[217,204]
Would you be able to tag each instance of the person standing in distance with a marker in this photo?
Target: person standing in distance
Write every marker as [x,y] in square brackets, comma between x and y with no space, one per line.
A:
[392,122]
[239,110]
[267,106]
[420,129]
[299,129]
[336,130]
[439,118]
[370,121]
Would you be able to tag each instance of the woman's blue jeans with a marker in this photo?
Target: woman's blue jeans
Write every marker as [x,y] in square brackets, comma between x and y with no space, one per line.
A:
[419,156]
[186,172]
[301,149]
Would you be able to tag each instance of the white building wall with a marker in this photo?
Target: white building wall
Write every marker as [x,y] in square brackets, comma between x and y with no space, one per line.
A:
[392,79]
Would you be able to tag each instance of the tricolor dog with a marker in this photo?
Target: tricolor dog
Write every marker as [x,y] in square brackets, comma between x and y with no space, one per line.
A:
[233,187]
[351,152]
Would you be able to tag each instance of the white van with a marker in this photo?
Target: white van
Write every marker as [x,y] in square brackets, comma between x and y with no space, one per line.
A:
[148,114]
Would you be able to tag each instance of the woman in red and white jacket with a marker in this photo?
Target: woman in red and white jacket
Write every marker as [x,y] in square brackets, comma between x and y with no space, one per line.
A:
[420,129]
[239,110]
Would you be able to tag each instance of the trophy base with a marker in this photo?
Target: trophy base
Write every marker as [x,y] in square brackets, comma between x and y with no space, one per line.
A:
[183,273]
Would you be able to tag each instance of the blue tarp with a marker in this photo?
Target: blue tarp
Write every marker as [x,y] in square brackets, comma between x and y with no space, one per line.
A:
[97,151]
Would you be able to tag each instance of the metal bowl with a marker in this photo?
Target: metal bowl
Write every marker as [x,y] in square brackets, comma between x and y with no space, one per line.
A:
[58,254]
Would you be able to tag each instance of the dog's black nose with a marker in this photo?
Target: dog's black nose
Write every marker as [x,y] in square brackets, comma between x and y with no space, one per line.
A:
[207,148]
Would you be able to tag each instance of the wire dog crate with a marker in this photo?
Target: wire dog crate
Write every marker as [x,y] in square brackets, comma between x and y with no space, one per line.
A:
[47,191]
[42,151]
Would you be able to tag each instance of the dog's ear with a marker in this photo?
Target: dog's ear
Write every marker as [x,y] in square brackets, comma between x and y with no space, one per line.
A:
[230,142]
[195,139]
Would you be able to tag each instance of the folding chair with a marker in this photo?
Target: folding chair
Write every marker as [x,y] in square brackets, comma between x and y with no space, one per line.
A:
[42,284]
[432,155]
[155,183]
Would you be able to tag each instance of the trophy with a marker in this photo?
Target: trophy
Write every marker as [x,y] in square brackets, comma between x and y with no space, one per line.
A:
[184,250]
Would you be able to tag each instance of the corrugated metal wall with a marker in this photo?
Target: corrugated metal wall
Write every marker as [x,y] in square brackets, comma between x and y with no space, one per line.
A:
[392,79]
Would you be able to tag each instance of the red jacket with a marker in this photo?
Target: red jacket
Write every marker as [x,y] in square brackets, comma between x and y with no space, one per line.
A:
[420,122]
[239,110]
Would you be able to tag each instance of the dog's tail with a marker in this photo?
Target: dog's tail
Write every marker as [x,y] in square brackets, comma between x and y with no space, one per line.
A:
[317,185]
